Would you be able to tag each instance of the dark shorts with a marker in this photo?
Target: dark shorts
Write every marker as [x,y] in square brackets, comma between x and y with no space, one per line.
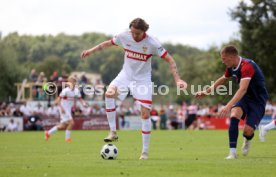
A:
[253,112]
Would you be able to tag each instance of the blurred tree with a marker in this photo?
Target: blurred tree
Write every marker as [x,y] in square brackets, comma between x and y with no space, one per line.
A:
[11,72]
[258,33]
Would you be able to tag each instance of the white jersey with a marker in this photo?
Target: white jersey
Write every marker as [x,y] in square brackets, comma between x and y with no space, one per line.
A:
[137,60]
[68,96]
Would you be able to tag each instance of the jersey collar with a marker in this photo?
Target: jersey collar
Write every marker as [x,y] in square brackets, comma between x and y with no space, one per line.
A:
[235,69]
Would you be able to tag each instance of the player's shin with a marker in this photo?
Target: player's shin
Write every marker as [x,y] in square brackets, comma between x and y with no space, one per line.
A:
[146,130]
[233,133]
[111,113]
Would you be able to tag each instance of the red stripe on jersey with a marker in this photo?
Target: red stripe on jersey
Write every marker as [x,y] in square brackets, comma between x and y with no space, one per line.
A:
[144,132]
[110,110]
[137,56]
[144,101]
[67,98]
[164,55]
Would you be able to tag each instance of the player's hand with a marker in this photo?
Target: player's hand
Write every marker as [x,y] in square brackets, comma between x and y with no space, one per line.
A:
[85,105]
[201,94]
[85,53]
[181,84]
[62,110]
[225,111]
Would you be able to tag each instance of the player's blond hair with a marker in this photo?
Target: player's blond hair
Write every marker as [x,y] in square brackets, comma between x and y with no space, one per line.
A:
[72,79]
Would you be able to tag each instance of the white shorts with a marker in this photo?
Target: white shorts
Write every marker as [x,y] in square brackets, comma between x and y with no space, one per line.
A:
[66,116]
[140,90]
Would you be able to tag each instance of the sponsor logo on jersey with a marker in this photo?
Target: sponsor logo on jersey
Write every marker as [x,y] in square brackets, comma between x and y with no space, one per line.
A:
[137,56]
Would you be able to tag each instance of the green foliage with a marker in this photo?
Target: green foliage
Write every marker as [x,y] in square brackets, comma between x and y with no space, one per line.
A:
[258,33]
[11,72]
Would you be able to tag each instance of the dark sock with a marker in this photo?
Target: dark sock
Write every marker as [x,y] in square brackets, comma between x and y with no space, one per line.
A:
[233,132]
[248,137]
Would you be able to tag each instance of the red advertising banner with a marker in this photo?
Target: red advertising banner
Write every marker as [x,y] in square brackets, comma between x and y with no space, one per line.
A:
[94,122]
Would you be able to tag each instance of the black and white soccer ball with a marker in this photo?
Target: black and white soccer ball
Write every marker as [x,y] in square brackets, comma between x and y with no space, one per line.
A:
[109,152]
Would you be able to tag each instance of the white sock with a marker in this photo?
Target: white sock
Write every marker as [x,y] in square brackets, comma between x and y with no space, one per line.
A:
[111,113]
[233,150]
[67,134]
[53,130]
[269,126]
[146,128]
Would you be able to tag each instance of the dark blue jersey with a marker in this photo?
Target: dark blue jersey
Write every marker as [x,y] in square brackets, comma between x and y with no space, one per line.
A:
[248,69]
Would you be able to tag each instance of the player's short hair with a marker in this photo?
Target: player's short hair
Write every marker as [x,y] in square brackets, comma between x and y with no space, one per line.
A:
[139,23]
[230,50]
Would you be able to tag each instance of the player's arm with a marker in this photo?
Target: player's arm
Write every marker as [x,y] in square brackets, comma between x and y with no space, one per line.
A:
[98,47]
[218,82]
[244,83]
[83,102]
[57,103]
[180,83]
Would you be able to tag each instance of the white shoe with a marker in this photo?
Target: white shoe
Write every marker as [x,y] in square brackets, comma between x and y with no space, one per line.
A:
[144,156]
[231,156]
[112,136]
[245,146]
[262,133]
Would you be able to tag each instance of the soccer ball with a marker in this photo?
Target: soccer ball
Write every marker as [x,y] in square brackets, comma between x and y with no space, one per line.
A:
[109,152]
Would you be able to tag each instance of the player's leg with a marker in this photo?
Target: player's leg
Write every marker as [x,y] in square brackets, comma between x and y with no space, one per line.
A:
[254,116]
[118,88]
[233,131]
[248,134]
[146,131]
[69,127]
[110,107]
[53,130]
[142,94]
[265,128]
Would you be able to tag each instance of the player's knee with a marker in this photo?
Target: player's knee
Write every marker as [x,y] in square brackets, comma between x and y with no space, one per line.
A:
[110,94]
[248,133]
[145,114]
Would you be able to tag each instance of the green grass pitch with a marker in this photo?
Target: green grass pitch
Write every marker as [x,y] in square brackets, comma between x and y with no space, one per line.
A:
[172,154]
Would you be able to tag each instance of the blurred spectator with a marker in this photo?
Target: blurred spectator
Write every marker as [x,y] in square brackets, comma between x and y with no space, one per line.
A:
[163,119]
[154,118]
[34,123]
[172,117]
[76,111]
[54,77]
[121,115]
[191,119]
[12,126]
[33,76]
[41,78]
[3,109]
[17,112]
[26,110]
[39,110]
[83,82]
[53,111]
[180,118]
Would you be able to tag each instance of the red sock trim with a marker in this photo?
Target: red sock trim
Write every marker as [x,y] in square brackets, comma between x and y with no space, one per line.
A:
[145,132]
[110,110]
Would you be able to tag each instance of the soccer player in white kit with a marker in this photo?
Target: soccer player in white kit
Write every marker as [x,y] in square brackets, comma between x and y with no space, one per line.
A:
[135,75]
[66,101]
